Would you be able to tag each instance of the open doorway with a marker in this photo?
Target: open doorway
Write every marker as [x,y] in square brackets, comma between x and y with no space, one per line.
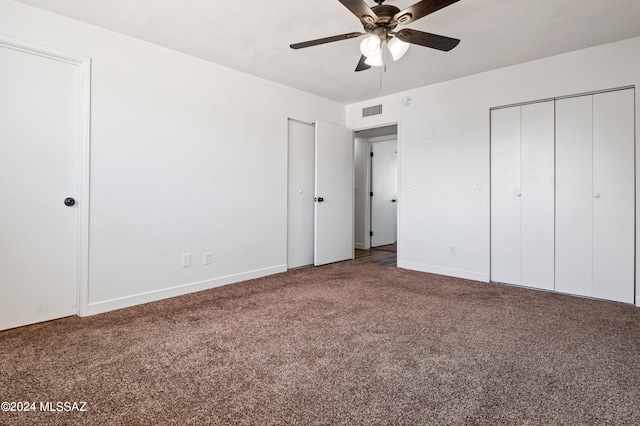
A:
[376,189]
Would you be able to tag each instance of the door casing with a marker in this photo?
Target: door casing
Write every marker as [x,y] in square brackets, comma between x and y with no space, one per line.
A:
[363,220]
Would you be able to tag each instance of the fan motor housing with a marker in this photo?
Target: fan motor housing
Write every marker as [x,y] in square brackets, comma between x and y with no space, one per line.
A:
[385,22]
[385,12]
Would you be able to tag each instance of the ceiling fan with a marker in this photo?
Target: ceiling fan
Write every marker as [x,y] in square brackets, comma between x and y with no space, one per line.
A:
[380,22]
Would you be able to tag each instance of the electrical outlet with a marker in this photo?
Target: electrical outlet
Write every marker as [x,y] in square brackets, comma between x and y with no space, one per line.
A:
[207,258]
[186,260]
[452,250]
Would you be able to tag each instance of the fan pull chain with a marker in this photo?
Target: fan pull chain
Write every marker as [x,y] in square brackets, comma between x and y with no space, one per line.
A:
[383,68]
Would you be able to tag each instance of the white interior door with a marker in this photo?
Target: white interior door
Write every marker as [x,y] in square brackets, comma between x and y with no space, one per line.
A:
[39,136]
[333,230]
[384,171]
[300,194]
[574,198]
[613,196]
[505,195]
[595,195]
[537,200]
[522,195]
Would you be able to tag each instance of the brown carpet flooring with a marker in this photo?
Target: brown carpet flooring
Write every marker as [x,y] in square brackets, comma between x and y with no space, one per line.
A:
[343,344]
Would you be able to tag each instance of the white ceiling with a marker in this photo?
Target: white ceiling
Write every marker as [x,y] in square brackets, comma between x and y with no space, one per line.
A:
[254,36]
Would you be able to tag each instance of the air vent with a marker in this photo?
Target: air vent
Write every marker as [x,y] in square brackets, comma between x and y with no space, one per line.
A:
[372,110]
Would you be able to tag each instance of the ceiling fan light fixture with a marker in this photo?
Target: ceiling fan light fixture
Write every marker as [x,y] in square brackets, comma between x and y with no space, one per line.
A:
[379,23]
[370,47]
[397,48]
[374,61]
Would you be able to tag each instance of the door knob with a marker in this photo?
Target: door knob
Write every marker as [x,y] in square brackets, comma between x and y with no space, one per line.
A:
[596,196]
[69,202]
[318,199]
[394,200]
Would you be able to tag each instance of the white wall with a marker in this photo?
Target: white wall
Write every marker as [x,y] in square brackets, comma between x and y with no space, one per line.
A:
[189,156]
[186,156]
[444,148]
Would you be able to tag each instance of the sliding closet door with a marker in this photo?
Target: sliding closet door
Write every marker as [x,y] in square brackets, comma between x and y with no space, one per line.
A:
[505,190]
[613,202]
[522,197]
[574,197]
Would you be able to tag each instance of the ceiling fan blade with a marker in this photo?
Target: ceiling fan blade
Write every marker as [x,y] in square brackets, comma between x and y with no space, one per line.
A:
[420,9]
[433,41]
[362,11]
[325,40]
[361,65]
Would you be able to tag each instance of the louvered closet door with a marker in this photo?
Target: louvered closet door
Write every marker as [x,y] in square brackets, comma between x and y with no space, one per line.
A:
[595,195]
[522,196]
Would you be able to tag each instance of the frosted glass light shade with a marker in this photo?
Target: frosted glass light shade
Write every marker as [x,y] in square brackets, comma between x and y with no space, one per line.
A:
[397,48]
[370,46]
[374,61]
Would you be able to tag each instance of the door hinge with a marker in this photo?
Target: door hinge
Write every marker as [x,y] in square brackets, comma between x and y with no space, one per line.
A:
[371,194]
[371,153]
[371,233]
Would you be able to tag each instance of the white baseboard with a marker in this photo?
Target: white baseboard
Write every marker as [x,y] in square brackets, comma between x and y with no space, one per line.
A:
[360,246]
[153,296]
[450,272]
